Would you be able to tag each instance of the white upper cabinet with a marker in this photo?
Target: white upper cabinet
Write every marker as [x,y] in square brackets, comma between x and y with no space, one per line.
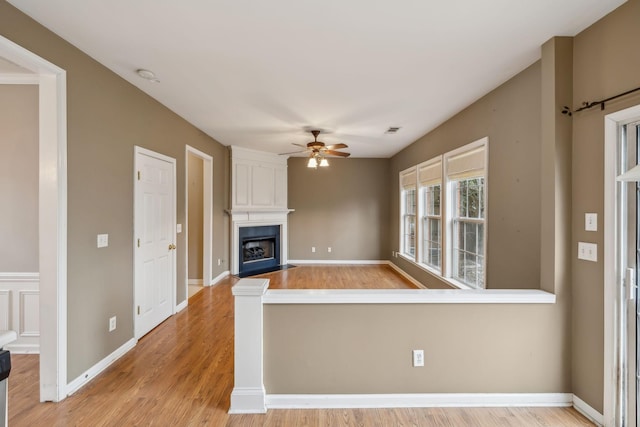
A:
[258,180]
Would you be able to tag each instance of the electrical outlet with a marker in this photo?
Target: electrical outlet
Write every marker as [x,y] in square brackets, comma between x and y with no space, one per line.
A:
[329,249]
[313,248]
[112,323]
[418,358]
[103,240]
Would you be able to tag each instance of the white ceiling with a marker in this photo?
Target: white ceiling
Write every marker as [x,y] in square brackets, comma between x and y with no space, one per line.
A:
[258,73]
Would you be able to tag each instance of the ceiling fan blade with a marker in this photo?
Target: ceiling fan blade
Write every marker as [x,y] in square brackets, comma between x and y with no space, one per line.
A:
[292,152]
[336,153]
[299,145]
[336,146]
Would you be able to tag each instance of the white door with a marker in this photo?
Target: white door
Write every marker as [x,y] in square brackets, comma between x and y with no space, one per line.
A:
[154,239]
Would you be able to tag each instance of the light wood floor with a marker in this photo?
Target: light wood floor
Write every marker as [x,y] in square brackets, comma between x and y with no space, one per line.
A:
[181,374]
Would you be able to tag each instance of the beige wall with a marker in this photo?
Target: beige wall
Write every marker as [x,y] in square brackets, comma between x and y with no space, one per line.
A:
[19,178]
[606,62]
[195,178]
[106,117]
[510,117]
[511,348]
[344,206]
[468,348]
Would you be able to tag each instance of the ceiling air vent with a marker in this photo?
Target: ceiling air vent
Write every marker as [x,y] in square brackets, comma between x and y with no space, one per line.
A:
[392,129]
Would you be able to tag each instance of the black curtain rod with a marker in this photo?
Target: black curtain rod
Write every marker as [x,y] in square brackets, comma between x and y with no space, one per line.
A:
[586,105]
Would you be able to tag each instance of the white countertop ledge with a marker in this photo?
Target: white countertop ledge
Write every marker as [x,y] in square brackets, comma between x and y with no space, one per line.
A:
[408,296]
[7,337]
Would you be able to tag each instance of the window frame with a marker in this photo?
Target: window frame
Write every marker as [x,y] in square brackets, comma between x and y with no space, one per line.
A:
[407,183]
[447,180]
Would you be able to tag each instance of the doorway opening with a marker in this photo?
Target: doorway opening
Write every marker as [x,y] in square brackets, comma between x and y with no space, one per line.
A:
[199,220]
[622,152]
[52,215]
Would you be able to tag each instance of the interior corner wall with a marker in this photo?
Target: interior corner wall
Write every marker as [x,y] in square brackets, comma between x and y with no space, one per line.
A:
[19,178]
[106,118]
[344,206]
[510,117]
[605,63]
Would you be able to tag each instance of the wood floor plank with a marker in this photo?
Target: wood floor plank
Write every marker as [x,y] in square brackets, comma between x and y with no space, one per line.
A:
[181,374]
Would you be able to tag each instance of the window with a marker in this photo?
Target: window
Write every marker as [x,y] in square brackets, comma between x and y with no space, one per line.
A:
[432,248]
[408,229]
[468,232]
[451,206]
[430,177]
[466,216]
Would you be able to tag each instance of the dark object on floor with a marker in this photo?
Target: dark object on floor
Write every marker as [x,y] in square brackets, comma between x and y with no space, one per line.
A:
[266,270]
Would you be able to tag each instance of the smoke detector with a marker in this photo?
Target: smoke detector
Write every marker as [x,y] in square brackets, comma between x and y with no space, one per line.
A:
[147,75]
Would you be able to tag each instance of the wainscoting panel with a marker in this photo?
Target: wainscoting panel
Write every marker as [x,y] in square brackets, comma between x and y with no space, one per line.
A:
[20,310]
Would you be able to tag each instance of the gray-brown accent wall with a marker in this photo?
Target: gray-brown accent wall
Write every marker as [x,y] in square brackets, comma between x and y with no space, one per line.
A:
[510,117]
[106,118]
[605,62]
[344,206]
[19,178]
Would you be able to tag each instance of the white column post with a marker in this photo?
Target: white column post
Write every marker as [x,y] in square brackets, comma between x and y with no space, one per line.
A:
[248,395]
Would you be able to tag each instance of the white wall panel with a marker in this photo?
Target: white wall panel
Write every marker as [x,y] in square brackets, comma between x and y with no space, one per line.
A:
[20,310]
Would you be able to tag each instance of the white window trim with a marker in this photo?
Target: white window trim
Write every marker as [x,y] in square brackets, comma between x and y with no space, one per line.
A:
[446,220]
[412,170]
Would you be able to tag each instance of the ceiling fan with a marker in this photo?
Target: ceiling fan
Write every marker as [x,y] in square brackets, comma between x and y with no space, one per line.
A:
[318,151]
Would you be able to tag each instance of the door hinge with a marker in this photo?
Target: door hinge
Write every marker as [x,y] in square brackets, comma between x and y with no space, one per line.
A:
[630,280]
[138,310]
[138,242]
[139,175]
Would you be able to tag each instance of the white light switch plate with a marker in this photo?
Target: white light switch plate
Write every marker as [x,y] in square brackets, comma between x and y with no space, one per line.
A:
[103,240]
[178,228]
[591,222]
[588,251]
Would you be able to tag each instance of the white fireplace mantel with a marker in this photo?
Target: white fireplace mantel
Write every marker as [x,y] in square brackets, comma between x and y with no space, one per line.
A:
[257,218]
[258,196]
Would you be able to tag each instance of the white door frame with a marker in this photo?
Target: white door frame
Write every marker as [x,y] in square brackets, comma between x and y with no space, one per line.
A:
[139,150]
[612,272]
[52,213]
[207,217]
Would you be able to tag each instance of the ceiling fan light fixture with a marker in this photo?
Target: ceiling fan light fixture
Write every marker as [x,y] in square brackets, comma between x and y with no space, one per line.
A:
[312,163]
[324,162]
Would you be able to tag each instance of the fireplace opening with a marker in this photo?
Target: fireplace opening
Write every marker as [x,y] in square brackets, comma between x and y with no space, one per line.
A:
[259,248]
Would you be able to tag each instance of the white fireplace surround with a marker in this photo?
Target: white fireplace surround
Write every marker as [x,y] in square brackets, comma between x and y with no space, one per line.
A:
[258,197]
[257,219]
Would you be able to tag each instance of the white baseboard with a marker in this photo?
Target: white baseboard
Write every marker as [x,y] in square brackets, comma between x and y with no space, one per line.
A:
[248,400]
[586,410]
[182,305]
[219,277]
[406,275]
[23,348]
[195,282]
[418,400]
[337,261]
[96,369]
